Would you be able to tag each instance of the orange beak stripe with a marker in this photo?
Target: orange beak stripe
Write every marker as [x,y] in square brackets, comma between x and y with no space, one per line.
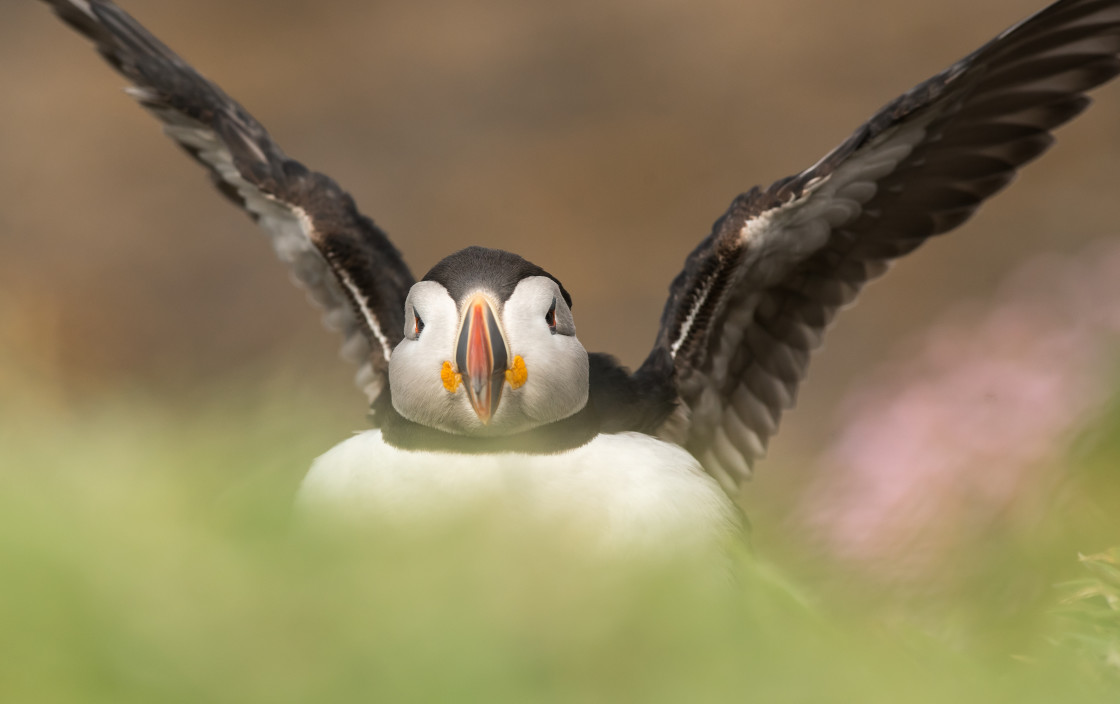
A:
[482,358]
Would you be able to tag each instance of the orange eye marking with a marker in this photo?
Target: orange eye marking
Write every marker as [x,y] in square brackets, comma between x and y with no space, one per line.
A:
[517,374]
[451,378]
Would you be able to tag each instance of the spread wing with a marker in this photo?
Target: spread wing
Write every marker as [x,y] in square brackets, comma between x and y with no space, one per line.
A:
[341,258]
[757,294]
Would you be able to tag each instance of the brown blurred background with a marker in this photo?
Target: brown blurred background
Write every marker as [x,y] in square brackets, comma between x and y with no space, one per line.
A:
[598,139]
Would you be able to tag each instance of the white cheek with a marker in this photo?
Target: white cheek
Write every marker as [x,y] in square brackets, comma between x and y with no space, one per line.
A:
[415,366]
[556,365]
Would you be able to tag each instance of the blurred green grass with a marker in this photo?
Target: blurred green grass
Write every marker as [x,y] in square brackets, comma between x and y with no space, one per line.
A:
[148,553]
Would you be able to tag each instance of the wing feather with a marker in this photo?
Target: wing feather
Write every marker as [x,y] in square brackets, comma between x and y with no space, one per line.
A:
[344,262]
[757,294]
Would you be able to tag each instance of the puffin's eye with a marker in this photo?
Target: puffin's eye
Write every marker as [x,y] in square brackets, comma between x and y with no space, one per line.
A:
[417,325]
[550,316]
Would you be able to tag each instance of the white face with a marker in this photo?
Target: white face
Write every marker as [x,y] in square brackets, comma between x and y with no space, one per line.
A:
[538,369]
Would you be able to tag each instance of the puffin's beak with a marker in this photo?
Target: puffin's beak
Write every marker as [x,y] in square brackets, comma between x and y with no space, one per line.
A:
[482,357]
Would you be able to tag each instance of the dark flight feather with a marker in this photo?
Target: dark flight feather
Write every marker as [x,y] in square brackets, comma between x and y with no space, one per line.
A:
[756,295]
[344,261]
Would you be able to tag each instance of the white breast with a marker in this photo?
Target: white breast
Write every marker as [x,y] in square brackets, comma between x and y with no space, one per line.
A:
[627,490]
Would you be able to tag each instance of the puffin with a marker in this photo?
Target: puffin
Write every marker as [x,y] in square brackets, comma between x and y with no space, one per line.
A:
[477,383]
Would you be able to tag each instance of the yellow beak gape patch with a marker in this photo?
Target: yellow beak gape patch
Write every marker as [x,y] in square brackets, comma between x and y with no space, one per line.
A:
[517,374]
[451,378]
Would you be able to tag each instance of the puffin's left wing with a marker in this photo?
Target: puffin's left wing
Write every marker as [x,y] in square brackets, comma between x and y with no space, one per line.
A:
[757,294]
[341,258]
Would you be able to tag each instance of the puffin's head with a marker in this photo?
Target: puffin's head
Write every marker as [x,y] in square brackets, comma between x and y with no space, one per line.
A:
[489,347]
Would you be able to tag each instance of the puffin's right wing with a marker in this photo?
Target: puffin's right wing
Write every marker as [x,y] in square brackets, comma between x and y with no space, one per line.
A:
[757,294]
[345,262]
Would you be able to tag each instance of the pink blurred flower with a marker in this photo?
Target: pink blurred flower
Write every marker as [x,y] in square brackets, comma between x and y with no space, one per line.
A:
[937,448]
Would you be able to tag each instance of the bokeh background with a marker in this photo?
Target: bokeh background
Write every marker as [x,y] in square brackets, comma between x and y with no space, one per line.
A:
[599,139]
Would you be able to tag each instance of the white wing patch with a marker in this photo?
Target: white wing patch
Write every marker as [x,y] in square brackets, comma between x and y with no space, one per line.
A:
[690,320]
[371,320]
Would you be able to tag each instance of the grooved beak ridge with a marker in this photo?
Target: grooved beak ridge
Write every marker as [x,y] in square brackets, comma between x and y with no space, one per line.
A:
[482,357]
